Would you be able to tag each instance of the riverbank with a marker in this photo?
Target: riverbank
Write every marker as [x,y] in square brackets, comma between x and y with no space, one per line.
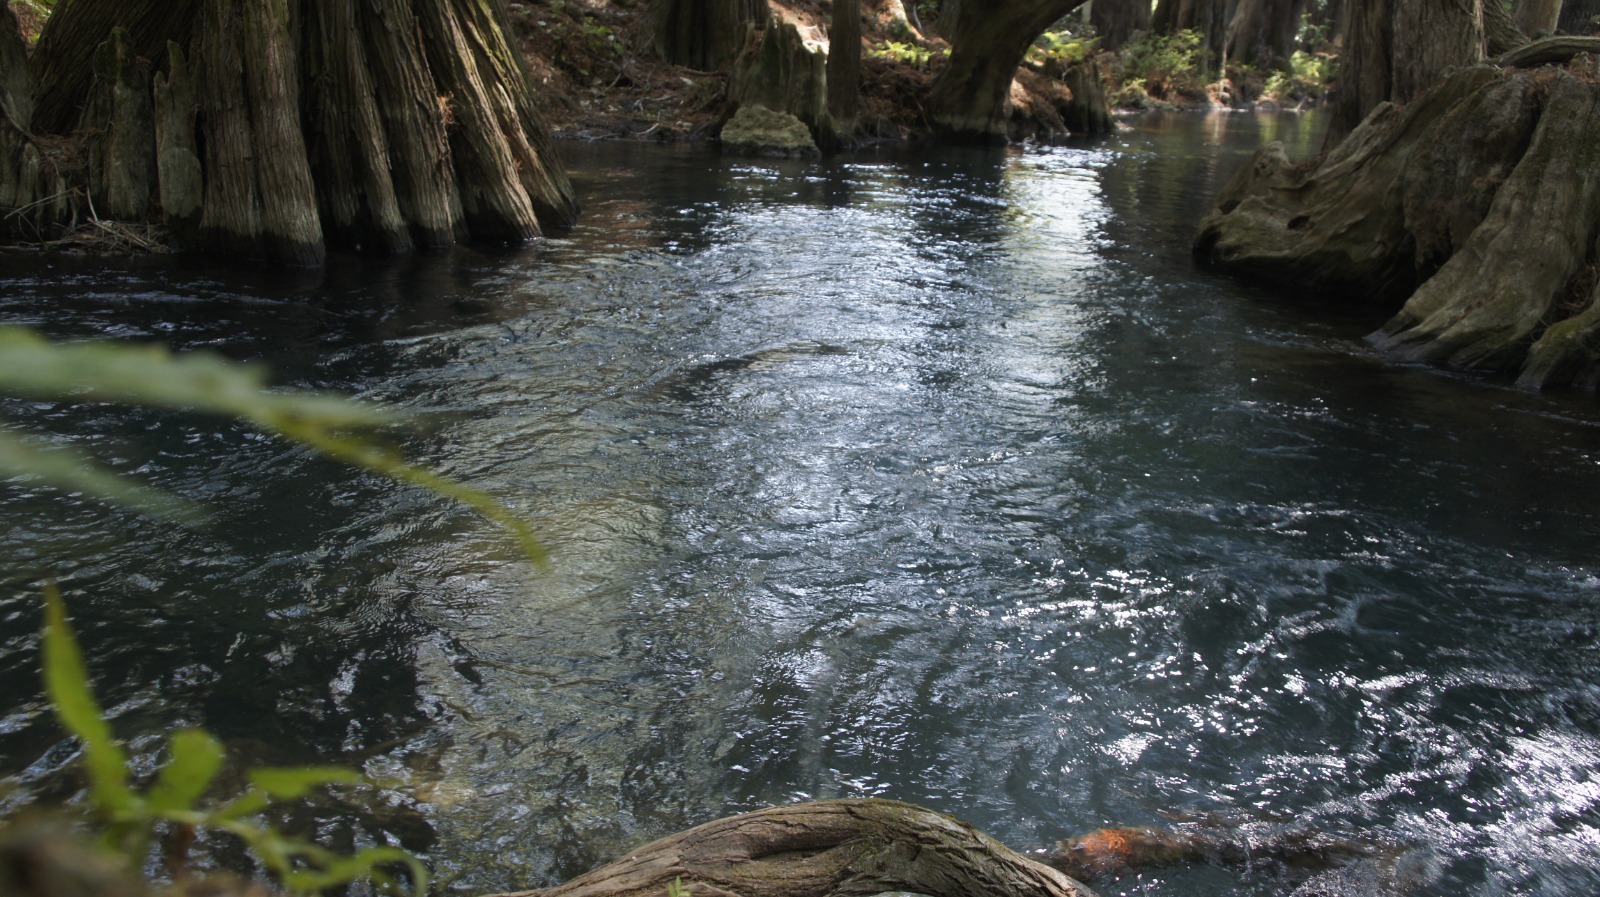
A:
[597,78]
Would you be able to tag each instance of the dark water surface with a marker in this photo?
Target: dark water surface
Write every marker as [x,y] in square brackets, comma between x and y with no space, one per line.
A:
[942,478]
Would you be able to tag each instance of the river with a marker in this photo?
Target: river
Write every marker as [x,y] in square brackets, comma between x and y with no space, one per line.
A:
[942,477]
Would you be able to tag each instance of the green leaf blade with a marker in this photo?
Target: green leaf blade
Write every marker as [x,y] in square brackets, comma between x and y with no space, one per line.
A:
[68,470]
[194,759]
[292,782]
[66,682]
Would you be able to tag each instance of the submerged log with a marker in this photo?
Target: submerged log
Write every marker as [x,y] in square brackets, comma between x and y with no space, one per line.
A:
[1475,205]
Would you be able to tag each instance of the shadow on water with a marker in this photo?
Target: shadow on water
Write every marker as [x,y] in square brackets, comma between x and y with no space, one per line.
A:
[940,477]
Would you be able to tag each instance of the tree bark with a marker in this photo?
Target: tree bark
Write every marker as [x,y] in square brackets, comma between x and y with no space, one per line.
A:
[825,849]
[1475,204]
[1116,21]
[970,96]
[786,71]
[1535,16]
[844,66]
[1394,51]
[1576,16]
[370,124]
[1261,32]
[1510,277]
[701,34]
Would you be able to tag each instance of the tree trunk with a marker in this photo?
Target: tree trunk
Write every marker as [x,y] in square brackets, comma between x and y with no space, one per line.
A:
[1209,17]
[1577,16]
[1476,204]
[1116,21]
[701,34]
[1164,20]
[824,849]
[1535,16]
[970,96]
[787,71]
[1388,59]
[1088,112]
[368,124]
[844,66]
[1261,32]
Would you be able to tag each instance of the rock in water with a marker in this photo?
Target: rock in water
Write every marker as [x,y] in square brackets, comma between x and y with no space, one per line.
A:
[758,131]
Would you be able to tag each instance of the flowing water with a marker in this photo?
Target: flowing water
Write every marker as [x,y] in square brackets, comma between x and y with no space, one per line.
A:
[943,477]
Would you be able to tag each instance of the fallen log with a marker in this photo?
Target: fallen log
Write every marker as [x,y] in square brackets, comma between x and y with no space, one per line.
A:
[835,847]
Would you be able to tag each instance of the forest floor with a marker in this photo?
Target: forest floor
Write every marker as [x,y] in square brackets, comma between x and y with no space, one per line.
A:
[597,78]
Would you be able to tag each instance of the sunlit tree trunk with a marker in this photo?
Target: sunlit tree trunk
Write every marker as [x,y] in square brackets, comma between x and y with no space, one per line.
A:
[970,96]
[371,124]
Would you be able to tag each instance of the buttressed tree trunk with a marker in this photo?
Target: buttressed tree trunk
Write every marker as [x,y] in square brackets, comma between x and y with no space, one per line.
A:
[284,126]
[971,94]
[1474,208]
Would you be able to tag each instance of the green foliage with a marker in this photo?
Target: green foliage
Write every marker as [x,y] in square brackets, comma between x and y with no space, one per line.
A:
[151,376]
[1164,65]
[1308,77]
[676,889]
[1061,47]
[899,53]
[132,819]
[600,39]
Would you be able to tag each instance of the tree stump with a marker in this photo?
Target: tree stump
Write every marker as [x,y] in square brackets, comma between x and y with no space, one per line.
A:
[786,71]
